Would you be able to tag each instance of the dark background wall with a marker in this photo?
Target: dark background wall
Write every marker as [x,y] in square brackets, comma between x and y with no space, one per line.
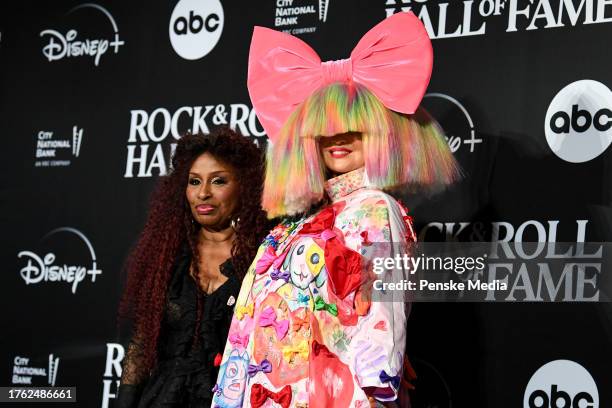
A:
[84,141]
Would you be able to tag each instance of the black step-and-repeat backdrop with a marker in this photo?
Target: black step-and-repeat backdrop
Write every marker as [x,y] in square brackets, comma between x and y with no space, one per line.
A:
[95,95]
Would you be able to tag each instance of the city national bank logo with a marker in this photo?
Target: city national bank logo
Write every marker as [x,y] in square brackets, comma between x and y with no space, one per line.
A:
[561,383]
[468,17]
[148,150]
[454,119]
[578,124]
[300,16]
[46,268]
[68,45]
[57,151]
[26,372]
[195,27]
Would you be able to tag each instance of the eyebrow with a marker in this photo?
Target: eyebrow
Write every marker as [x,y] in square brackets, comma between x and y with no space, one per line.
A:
[213,173]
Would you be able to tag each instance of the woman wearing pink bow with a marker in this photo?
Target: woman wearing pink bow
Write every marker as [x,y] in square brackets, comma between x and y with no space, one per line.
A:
[306,331]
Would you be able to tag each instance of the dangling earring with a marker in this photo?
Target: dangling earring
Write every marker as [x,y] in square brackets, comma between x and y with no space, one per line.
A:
[234,223]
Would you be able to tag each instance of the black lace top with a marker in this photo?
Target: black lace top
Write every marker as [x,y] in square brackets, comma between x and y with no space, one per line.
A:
[184,375]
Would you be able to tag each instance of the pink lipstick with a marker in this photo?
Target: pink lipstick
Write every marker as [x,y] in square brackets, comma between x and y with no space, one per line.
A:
[339,152]
[205,209]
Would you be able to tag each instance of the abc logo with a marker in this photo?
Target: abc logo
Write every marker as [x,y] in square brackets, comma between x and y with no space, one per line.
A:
[578,124]
[543,399]
[561,384]
[581,120]
[195,27]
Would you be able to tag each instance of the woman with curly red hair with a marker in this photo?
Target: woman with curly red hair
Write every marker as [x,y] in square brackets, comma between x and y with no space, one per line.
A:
[203,229]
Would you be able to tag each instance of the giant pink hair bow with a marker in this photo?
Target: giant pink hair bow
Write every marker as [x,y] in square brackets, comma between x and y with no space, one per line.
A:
[393,60]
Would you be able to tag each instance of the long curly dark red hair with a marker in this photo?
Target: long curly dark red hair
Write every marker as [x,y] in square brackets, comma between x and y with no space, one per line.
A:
[169,229]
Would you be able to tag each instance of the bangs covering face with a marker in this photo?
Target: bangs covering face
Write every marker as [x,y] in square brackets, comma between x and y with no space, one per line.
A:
[398,149]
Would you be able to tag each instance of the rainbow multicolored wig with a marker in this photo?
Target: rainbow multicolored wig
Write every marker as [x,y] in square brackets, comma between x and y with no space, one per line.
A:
[376,92]
[399,149]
